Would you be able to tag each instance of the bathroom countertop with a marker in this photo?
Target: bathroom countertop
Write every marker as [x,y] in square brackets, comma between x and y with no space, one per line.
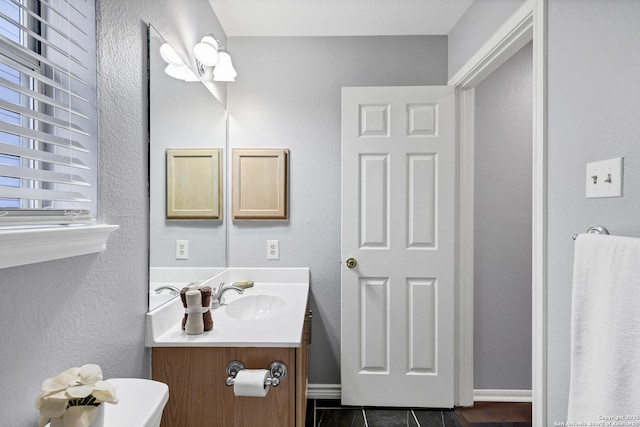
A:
[281,329]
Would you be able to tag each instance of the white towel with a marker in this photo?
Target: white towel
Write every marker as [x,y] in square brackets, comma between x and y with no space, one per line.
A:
[605,331]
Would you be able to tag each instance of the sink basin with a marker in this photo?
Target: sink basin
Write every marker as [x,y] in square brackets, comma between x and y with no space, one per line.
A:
[255,307]
[269,314]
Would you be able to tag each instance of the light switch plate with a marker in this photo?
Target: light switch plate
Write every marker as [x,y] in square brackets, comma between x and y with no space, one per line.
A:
[604,178]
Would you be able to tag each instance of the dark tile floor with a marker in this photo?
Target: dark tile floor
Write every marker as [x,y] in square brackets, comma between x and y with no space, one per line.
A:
[329,413]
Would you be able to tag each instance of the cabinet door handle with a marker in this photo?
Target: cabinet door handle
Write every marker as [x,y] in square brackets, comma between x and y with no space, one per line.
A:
[310,317]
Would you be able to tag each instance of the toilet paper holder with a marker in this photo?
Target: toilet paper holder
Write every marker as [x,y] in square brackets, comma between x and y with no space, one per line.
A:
[277,369]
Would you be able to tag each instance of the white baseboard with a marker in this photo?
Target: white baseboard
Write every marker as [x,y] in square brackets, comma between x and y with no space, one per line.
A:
[324,391]
[334,391]
[502,396]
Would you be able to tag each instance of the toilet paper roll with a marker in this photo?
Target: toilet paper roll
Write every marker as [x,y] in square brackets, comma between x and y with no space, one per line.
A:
[250,382]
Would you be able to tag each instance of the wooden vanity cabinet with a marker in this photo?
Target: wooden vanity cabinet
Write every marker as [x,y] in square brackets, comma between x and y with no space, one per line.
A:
[198,395]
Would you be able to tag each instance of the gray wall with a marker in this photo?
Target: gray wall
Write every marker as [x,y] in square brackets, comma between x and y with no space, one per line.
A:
[90,309]
[288,95]
[472,30]
[593,115]
[594,106]
[502,221]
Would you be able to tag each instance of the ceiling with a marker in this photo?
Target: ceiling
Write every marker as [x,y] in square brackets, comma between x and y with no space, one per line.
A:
[291,18]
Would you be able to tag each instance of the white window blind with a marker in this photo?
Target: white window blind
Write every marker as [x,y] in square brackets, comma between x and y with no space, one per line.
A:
[47,111]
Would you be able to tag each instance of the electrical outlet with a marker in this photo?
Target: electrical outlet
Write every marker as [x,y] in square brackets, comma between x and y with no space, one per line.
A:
[604,178]
[182,249]
[273,249]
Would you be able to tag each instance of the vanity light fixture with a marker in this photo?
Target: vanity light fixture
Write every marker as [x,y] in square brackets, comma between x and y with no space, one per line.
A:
[169,54]
[175,67]
[224,71]
[209,54]
[207,51]
[180,72]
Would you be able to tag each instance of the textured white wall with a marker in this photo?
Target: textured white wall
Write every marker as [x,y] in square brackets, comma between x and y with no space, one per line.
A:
[288,95]
[91,308]
[472,30]
[502,276]
[594,106]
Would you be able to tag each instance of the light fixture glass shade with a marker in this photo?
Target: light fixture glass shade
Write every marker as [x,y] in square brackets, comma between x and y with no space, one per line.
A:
[169,55]
[224,71]
[181,72]
[207,51]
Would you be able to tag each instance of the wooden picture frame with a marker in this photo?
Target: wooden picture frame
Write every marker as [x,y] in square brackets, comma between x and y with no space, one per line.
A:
[260,181]
[194,183]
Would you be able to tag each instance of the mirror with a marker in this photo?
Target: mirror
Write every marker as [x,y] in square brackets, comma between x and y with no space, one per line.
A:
[182,115]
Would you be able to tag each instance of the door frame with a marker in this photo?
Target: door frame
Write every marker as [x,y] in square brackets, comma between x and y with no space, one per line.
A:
[528,23]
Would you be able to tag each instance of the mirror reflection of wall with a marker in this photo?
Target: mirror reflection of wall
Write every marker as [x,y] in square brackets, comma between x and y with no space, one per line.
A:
[181,115]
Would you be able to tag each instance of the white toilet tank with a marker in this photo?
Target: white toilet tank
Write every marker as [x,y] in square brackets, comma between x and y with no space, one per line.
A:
[140,403]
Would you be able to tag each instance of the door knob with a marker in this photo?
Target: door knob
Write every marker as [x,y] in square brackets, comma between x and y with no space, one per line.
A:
[351,262]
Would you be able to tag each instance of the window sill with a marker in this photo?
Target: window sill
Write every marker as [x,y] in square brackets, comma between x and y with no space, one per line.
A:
[31,245]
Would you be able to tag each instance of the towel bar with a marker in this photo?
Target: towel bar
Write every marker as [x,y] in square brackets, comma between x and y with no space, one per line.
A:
[596,229]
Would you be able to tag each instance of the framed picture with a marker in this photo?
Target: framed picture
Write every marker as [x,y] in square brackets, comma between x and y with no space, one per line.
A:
[194,183]
[260,183]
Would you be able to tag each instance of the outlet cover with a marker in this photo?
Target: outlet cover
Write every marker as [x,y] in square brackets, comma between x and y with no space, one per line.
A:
[604,178]
[182,249]
[273,249]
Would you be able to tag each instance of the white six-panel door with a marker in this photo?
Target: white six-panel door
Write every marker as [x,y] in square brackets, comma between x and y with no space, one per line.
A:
[398,218]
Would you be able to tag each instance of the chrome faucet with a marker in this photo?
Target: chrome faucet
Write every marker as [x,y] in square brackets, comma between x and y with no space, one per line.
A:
[217,299]
[172,289]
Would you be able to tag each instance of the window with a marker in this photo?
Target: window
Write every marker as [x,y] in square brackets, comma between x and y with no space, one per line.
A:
[47,112]
[48,131]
